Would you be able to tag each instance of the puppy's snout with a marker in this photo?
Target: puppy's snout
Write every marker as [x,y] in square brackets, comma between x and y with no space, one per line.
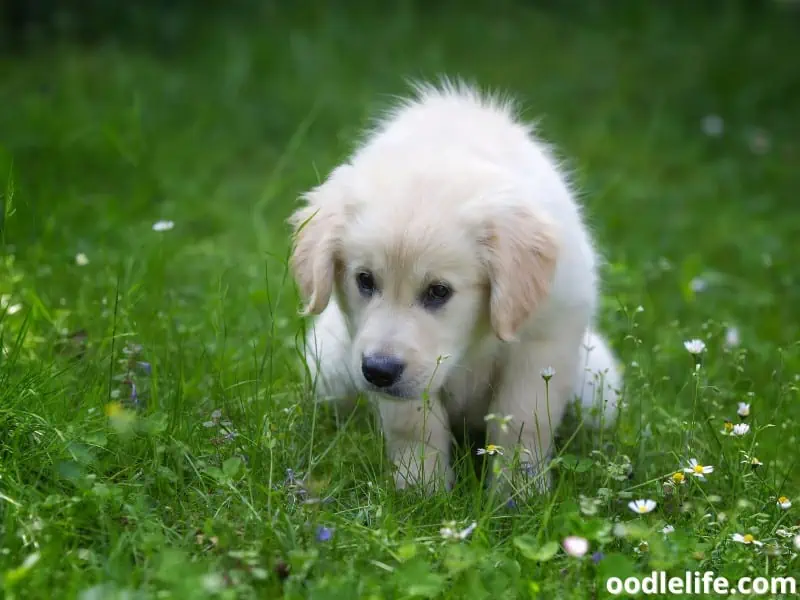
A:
[382,370]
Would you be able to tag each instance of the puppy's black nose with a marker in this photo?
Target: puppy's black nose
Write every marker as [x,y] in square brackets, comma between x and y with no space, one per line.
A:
[382,370]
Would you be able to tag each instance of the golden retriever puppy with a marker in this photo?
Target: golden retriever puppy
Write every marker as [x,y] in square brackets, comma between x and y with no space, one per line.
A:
[452,276]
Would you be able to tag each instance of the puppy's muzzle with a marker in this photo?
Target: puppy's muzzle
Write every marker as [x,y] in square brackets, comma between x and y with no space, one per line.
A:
[382,370]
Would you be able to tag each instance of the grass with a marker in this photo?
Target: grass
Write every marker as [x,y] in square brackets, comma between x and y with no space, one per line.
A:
[217,127]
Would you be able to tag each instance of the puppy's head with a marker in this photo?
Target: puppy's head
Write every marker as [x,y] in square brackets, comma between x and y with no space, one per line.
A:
[424,266]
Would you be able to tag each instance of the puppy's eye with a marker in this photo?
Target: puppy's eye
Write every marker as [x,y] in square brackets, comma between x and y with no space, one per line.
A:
[366,283]
[436,295]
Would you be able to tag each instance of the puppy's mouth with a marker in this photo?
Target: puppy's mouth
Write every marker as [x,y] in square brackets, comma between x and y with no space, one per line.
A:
[397,391]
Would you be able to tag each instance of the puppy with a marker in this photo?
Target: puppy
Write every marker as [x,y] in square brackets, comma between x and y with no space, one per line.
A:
[451,275]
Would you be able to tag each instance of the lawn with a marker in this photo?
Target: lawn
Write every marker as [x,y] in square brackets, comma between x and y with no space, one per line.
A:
[157,439]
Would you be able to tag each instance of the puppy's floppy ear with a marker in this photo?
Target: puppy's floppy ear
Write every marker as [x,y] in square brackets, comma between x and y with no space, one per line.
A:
[317,229]
[521,252]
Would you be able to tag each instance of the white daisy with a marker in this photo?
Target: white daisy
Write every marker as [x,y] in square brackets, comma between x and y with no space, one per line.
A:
[575,546]
[732,337]
[698,470]
[797,541]
[491,450]
[667,529]
[678,478]
[163,225]
[81,259]
[13,309]
[500,420]
[695,346]
[713,125]
[642,506]
[747,538]
[450,532]
[547,373]
[784,503]
[740,429]
[744,410]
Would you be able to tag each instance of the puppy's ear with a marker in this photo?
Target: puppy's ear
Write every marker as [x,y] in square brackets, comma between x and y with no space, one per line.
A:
[521,250]
[317,229]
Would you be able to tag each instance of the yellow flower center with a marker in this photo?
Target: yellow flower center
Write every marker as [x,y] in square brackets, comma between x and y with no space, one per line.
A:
[728,426]
[699,468]
[642,508]
[783,500]
[678,477]
[491,448]
[113,409]
[748,539]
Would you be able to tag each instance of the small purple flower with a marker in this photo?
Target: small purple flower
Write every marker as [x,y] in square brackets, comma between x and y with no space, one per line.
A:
[324,534]
[134,393]
[145,367]
[511,503]
[597,557]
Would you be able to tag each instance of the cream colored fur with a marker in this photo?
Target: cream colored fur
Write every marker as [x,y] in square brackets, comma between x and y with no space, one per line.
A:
[451,188]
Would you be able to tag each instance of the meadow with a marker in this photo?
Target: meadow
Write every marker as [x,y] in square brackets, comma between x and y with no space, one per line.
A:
[157,438]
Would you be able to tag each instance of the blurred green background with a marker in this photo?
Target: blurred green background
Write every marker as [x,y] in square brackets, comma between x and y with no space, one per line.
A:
[223,112]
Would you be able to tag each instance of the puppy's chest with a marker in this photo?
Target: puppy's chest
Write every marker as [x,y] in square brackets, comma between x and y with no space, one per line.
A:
[469,389]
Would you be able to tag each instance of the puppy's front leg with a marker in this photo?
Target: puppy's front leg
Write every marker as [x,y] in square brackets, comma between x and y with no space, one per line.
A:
[327,353]
[417,436]
[536,401]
